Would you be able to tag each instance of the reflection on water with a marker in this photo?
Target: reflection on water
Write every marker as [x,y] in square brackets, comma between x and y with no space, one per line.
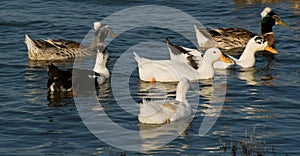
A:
[252,77]
[295,4]
[34,121]
[57,99]
[157,91]
[248,76]
[36,63]
[154,136]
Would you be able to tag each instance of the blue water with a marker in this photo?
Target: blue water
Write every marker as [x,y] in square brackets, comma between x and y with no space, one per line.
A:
[261,103]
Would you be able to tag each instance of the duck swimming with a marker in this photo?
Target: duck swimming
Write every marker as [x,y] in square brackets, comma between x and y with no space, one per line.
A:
[62,80]
[64,49]
[172,70]
[160,112]
[237,38]
[247,59]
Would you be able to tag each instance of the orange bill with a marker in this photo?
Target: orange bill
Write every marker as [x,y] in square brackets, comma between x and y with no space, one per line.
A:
[225,59]
[271,50]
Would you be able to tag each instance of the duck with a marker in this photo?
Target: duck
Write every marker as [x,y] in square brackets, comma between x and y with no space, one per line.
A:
[247,59]
[172,70]
[166,111]
[63,80]
[235,39]
[61,49]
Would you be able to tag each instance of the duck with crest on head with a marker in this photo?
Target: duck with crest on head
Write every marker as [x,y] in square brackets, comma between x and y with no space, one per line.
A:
[65,49]
[235,39]
[247,59]
[80,80]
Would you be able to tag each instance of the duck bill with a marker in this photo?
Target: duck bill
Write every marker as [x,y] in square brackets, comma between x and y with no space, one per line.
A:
[271,50]
[282,23]
[113,35]
[225,59]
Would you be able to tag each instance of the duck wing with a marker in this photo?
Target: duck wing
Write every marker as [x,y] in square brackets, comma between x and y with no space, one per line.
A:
[62,43]
[204,39]
[231,38]
[190,56]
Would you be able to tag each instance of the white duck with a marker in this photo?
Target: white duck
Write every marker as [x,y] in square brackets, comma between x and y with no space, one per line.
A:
[247,59]
[159,112]
[171,70]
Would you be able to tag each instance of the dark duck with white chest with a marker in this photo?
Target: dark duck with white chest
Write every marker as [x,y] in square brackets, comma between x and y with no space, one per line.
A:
[65,49]
[79,80]
[236,39]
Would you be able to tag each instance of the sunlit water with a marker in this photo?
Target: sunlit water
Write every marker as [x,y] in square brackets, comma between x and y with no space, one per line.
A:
[261,103]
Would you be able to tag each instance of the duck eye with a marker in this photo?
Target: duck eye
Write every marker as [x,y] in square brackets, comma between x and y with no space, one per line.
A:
[259,40]
[275,17]
[214,52]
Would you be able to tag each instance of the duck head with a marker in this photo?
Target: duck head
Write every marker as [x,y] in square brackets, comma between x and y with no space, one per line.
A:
[101,32]
[258,43]
[269,19]
[215,54]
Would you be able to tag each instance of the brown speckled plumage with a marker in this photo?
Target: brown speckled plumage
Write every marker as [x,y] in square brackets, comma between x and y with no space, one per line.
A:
[43,50]
[65,49]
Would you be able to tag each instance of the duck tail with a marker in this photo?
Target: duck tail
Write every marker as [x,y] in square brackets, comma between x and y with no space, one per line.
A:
[137,58]
[148,108]
[29,42]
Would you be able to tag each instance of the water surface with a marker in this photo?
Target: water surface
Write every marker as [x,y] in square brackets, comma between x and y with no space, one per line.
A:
[261,103]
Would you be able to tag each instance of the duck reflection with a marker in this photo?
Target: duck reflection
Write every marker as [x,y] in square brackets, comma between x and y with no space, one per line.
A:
[60,99]
[167,91]
[294,3]
[248,76]
[253,77]
[36,63]
[154,136]
[157,90]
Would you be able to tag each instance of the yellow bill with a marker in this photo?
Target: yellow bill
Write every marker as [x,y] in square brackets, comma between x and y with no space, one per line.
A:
[271,50]
[282,23]
[113,35]
[225,59]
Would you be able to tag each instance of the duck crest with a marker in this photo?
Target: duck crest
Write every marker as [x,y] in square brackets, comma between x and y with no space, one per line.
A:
[260,39]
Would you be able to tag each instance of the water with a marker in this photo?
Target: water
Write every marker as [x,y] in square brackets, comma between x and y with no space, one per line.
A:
[260,103]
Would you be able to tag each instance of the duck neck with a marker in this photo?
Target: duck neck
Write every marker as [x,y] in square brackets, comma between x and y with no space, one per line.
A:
[95,41]
[206,67]
[247,59]
[99,38]
[181,94]
[100,65]
[267,24]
